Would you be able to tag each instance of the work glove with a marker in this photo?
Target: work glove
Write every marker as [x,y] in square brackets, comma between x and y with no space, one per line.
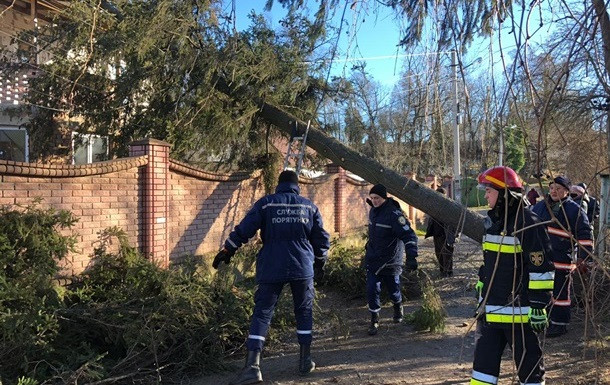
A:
[223,255]
[318,271]
[538,319]
[479,289]
[411,264]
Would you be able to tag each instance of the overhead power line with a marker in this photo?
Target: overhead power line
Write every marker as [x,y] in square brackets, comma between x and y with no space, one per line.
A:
[371,58]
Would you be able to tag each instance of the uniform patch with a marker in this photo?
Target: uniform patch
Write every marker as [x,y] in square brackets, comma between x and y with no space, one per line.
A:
[402,220]
[537,258]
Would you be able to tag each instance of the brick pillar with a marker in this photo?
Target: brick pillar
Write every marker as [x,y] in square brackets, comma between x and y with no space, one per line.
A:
[432,181]
[339,202]
[154,187]
[448,184]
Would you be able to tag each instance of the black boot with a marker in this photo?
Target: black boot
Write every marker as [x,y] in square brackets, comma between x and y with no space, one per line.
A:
[374,324]
[251,373]
[555,330]
[306,365]
[398,313]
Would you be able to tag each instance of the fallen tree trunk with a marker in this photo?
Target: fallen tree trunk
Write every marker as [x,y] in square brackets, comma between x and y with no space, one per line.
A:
[408,190]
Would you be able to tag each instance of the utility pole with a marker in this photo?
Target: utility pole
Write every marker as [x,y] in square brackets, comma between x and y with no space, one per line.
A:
[604,200]
[501,154]
[600,247]
[457,183]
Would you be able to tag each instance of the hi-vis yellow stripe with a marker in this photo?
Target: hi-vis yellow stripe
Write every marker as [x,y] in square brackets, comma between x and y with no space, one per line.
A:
[540,285]
[507,314]
[503,239]
[541,281]
[477,382]
[479,378]
[507,318]
[509,249]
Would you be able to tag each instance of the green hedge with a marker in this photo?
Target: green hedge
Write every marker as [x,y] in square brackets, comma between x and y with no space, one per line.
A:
[124,318]
[471,195]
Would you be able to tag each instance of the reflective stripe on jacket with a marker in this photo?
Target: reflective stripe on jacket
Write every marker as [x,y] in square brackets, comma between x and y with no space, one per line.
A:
[517,271]
[574,229]
[390,233]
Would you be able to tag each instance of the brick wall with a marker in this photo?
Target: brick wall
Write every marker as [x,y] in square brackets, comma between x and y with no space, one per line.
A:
[100,196]
[357,210]
[205,207]
[321,192]
[168,209]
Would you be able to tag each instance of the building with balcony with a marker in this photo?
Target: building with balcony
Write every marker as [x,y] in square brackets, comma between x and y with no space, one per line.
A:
[21,59]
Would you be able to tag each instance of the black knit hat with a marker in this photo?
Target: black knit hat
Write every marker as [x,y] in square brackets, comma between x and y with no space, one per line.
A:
[563,181]
[380,190]
[288,176]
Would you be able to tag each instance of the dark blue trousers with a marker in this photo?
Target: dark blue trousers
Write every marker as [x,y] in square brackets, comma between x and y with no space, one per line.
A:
[265,300]
[373,289]
[562,298]
[526,350]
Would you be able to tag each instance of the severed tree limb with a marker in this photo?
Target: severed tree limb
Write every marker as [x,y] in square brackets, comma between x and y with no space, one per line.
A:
[412,192]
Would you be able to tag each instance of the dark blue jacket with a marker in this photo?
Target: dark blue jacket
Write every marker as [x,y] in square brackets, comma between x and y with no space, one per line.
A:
[390,233]
[592,210]
[292,233]
[576,224]
[517,271]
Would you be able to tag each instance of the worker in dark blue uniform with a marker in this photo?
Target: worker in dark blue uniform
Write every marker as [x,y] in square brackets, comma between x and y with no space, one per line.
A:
[592,207]
[390,234]
[515,282]
[572,241]
[444,240]
[577,193]
[294,250]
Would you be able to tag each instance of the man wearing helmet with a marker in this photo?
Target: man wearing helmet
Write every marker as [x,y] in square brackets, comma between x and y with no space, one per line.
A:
[570,234]
[515,282]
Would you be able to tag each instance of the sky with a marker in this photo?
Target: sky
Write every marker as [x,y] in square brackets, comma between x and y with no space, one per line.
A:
[375,39]
[372,35]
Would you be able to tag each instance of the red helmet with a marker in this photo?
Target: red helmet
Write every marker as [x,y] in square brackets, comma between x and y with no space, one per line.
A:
[500,177]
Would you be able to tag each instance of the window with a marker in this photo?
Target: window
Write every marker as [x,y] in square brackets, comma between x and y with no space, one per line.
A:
[88,148]
[13,144]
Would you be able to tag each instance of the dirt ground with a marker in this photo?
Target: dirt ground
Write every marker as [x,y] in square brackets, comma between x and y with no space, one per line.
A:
[345,354]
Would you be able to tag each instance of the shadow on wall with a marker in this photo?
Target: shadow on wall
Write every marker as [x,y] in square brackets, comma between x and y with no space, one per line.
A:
[224,208]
